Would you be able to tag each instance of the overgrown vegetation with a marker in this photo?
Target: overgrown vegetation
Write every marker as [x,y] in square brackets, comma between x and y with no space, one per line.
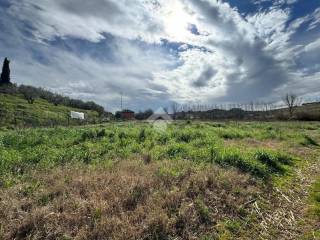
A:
[16,111]
[197,180]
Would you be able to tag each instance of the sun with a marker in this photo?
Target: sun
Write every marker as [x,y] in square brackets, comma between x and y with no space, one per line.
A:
[177,21]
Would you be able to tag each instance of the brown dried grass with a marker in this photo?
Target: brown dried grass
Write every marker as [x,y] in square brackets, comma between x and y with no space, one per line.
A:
[130,201]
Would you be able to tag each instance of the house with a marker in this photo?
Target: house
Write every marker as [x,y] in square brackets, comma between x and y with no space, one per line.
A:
[126,114]
[77,115]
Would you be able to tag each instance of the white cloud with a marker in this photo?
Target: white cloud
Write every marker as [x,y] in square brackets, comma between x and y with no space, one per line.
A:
[315,19]
[88,19]
[276,2]
[180,81]
[313,46]
[232,58]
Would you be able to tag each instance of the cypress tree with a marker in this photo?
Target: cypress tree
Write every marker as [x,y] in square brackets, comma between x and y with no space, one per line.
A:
[5,75]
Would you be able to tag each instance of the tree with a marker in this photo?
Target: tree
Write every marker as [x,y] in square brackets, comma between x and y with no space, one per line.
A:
[292,101]
[5,75]
[118,115]
[174,108]
[144,115]
[29,93]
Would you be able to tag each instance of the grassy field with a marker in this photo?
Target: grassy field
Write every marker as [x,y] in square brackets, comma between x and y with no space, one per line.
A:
[197,180]
[16,111]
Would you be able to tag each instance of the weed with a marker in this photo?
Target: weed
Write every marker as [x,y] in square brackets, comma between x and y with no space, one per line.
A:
[142,135]
[234,159]
[177,150]
[213,155]
[315,200]
[122,135]
[157,229]
[101,133]
[184,137]
[203,211]
[233,226]
[47,198]
[137,195]
[270,160]
[232,133]
[308,141]
[88,135]
[97,213]
[147,158]
[163,139]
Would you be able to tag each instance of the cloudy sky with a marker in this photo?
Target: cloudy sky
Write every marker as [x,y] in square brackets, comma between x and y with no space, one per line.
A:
[159,51]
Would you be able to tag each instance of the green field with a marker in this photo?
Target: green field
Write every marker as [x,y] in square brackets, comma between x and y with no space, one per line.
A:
[16,111]
[196,180]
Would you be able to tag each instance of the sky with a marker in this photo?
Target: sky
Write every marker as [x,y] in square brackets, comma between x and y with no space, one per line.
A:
[155,52]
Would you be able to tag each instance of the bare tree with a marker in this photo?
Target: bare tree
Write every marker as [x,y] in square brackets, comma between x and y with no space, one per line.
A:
[174,108]
[292,101]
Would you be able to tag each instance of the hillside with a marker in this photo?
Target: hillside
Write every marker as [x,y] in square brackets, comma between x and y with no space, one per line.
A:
[305,112]
[16,111]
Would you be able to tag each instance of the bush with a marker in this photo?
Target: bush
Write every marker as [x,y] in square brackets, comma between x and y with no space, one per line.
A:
[308,116]
[144,115]
[87,135]
[282,116]
[9,89]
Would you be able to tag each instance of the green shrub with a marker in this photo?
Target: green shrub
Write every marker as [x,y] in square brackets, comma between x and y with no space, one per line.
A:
[177,151]
[163,139]
[234,159]
[88,135]
[232,133]
[187,136]
[270,160]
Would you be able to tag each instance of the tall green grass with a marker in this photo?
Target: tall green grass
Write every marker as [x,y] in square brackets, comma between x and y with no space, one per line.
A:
[22,150]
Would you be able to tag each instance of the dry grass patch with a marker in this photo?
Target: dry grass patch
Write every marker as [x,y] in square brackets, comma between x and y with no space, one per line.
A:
[130,201]
[254,143]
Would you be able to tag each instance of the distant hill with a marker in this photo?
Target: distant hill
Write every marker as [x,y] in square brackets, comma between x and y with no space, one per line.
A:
[306,112]
[16,109]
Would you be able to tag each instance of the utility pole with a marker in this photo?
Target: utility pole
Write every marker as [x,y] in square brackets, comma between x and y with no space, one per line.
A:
[121,102]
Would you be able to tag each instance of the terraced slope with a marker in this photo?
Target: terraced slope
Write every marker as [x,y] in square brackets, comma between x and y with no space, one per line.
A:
[16,111]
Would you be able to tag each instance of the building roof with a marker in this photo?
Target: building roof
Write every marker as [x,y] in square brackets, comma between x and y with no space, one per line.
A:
[127,111]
